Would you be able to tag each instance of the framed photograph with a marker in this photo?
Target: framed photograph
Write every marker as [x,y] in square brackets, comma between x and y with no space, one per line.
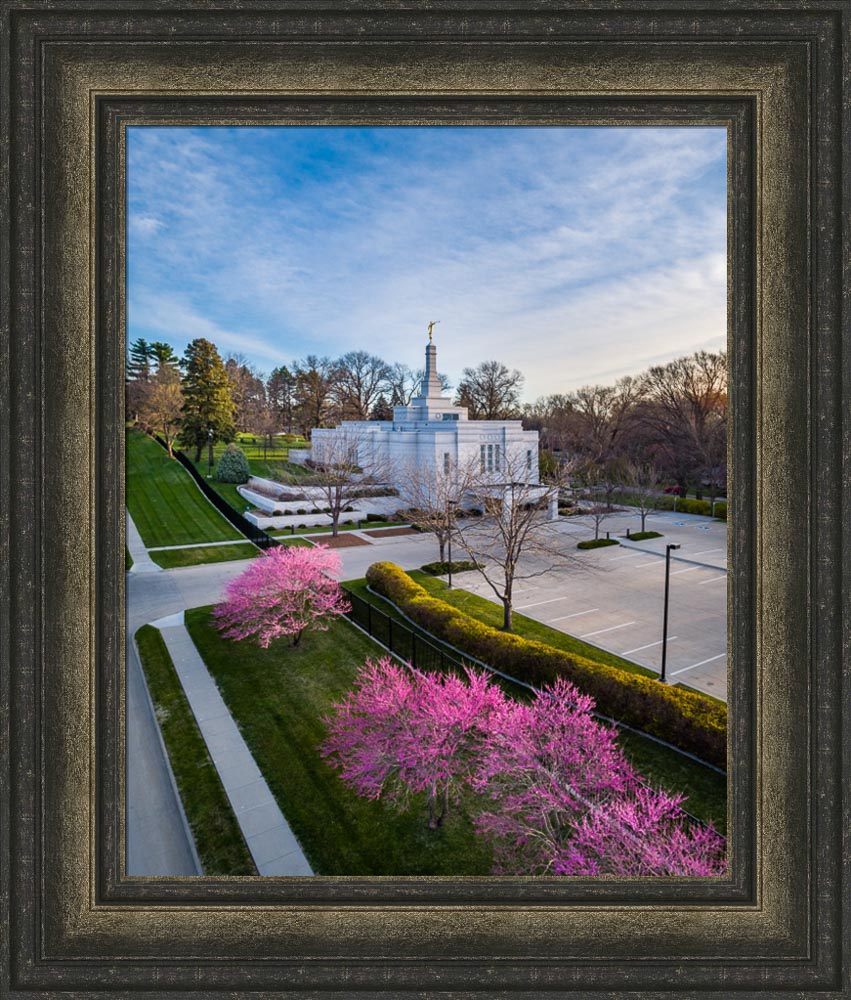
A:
[292,297]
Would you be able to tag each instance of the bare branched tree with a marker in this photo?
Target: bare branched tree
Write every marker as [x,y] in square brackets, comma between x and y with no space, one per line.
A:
[160,408]
[490,391]
[513,540]
[359,379]
[345,462]
[435,494]
[643,480]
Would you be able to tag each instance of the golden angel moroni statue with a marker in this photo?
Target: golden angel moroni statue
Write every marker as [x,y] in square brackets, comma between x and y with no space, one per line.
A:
[431,326]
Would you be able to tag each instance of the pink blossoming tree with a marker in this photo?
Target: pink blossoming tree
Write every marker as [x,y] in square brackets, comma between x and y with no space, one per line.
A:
[567,802]
[556,794]
[286,592]
[400,732]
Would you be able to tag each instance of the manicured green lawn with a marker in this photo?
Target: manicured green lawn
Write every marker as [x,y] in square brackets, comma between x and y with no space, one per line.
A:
[322,529]
[171,558]
[279,697]
[491,614]
[166,506]
[275,465]
[706,790]
[218,839]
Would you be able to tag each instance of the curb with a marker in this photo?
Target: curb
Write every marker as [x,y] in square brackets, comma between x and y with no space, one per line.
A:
[187,829]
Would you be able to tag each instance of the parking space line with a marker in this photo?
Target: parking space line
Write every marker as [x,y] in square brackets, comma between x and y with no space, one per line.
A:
[706,552]
[649,644]
[632,555]
[691,569]
[702,662]
[575,614]
[522,607]
[602,630]
[656,562]
[712,580]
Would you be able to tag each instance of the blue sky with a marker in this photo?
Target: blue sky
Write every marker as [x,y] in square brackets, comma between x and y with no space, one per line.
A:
[574,254]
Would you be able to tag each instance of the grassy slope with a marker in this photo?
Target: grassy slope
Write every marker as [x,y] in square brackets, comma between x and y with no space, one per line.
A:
[218,838]
[706,790]
[166,506]
[279,697]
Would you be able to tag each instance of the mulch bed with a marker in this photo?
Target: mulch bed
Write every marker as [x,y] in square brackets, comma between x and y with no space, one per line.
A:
[390,532]
[345,541]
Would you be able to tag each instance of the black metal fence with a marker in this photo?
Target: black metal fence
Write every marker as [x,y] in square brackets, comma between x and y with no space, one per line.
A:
[400,639]
[242,524]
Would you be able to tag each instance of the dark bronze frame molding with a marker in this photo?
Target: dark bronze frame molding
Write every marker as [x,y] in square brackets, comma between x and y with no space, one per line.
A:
[74,75]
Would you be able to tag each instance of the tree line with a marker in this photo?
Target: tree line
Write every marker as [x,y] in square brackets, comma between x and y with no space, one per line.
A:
[202,397]
[668,424]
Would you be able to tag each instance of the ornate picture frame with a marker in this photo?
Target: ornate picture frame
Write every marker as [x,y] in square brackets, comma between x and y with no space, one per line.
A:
[74,76]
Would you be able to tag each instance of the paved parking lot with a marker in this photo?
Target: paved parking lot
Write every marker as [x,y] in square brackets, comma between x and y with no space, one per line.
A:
[614,597]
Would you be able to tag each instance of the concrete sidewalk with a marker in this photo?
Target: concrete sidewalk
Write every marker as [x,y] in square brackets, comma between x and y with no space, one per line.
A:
[270,840]
[142,562]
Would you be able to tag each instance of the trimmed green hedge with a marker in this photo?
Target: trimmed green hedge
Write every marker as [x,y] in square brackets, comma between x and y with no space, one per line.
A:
[641,536]
[685,505]
[685,719]
[597,543]
[442,568]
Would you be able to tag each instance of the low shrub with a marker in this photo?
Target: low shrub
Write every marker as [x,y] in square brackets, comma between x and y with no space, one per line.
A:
[684,505]
[597,543]
[301,510]
[233,466]
[684,718]
[442,568]
[641,536]
[377,518]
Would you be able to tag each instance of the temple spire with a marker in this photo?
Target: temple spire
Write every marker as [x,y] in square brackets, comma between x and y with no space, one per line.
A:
[431,386]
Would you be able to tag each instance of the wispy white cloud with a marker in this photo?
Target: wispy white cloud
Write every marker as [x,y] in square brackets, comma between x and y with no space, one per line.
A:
[568,253]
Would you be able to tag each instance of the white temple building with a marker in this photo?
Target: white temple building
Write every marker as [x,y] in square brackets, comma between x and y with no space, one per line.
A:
[432,433]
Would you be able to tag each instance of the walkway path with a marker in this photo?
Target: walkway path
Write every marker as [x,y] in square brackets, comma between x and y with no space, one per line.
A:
[142,562]
[270,840]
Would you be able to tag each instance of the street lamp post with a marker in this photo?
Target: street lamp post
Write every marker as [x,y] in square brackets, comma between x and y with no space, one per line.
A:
[210,452]
[449,542]
[668,549]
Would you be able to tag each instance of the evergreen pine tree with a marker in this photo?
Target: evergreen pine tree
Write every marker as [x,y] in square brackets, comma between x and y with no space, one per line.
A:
[139,364]
[163,355]
[233,466]
[382,410]
[208,408]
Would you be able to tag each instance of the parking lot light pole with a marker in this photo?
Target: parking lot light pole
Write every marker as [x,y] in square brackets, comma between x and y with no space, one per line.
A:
[668,549]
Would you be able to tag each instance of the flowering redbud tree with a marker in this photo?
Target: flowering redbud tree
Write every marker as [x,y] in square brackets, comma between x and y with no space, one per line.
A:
[567,802]
[400,732]
[288,591]
[558,796]
[645,833]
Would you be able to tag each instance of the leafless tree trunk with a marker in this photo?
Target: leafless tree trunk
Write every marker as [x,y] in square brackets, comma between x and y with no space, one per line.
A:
[514,539]
[337,456]
[434,495]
